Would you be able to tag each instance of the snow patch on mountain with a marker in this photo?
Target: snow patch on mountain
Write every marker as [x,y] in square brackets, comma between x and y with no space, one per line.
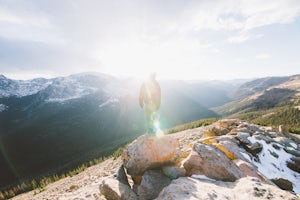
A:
[109,102]
[20,88]
[61,94]
[273,167]
[3,107]
[57,89]
[68,88]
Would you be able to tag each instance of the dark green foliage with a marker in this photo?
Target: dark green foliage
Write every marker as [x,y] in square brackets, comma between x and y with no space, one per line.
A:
[288,116]
[257,85]
[272,98]
[40,184]
[118,153]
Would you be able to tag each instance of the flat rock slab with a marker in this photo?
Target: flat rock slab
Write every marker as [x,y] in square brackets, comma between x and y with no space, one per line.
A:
[244,188]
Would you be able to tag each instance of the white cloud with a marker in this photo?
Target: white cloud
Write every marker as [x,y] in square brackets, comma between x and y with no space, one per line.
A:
[95,35]
[263,56]
[242,37]
[239,38]
[24,18]
[241,16]
[257,13]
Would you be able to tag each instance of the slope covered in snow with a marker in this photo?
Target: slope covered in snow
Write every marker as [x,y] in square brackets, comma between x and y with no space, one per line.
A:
[20,88]
[272,162]
[3,107]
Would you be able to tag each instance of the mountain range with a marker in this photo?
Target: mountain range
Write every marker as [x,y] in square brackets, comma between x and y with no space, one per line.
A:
[52,125]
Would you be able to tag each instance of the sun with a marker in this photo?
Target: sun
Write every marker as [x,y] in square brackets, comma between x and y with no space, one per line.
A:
[139,60]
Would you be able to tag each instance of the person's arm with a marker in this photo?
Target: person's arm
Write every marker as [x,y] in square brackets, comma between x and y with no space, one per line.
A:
[141,99]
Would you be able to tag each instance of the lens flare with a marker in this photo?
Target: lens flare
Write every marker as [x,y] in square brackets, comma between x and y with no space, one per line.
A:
[158,131]
[7,161]
[156,124]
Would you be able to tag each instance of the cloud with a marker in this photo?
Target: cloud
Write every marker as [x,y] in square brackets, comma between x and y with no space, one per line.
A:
[18,55]
[95,35]
[243,14]
[23,18]
[263,56]
[239,38]
[240,17]
[242,37]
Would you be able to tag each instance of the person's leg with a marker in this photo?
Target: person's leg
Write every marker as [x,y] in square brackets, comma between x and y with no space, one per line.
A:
[149,122]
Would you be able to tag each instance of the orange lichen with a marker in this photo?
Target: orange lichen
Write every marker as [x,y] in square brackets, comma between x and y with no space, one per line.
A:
[161,149]
[209,140]
[186,154]
[209,133]
[228,153]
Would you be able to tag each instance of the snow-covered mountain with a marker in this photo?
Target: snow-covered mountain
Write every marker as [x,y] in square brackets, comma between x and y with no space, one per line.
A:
[20,88]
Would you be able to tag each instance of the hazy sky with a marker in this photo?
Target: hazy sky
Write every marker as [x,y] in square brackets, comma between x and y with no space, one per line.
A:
[179,39]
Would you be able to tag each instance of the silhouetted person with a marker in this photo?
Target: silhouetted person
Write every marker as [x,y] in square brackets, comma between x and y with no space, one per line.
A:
[150,96]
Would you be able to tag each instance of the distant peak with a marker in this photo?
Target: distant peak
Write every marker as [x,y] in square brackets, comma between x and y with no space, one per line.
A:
[2,76]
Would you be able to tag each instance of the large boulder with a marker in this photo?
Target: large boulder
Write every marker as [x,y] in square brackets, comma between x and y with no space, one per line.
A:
[244,188]
[293,166]
[113,189]
[283,184]
[153,181]
[150,152]
[209,160]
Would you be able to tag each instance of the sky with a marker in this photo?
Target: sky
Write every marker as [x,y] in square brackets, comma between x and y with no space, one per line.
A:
[190,39]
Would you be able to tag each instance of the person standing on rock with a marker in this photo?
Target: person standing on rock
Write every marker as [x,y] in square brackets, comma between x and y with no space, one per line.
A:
[150,97]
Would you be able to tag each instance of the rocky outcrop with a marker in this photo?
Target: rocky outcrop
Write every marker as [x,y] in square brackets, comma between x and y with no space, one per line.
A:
[231,159]
[244,188]
[210,161]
